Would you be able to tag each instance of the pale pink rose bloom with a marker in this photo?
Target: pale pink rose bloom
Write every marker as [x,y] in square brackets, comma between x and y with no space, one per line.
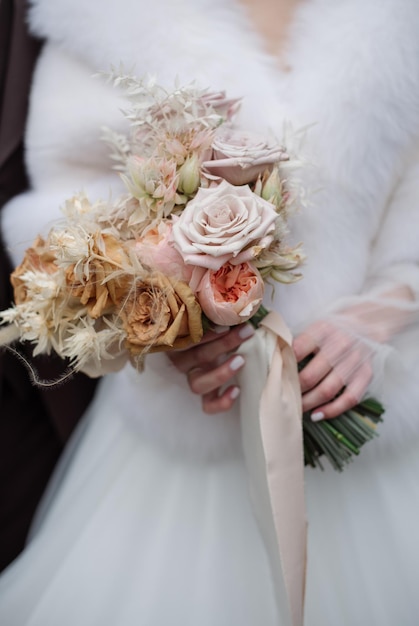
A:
[224,223]
[155,248]
[240,156]
[232,294]
[225,107]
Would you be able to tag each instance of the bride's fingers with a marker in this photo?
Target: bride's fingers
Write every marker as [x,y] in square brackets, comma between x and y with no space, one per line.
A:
[314,372]
[337,357]
[205,381]
[351,395]
[340,374]
[303,346]
[325,391]
[214,403]
[207,352]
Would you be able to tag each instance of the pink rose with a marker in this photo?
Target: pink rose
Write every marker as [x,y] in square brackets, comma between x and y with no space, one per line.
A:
[225,107]
[155,249]
[240,157]
[224,223]
[232,294]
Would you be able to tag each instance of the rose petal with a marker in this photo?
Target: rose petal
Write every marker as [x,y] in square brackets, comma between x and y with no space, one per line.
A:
[231,295]
[220,222]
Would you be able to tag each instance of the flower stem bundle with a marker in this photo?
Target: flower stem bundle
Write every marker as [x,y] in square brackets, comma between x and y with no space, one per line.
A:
[340,439]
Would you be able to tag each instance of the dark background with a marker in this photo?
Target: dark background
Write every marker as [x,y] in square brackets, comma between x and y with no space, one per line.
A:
[34,423]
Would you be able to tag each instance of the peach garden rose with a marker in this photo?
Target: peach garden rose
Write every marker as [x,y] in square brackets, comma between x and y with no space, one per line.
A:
[231,294]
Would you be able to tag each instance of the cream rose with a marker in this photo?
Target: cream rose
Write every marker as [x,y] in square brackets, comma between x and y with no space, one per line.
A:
[240,157]
[224,223]
[232,294]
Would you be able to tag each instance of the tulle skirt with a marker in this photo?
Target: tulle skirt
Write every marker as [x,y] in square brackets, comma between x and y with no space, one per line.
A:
[148,521]
[363,561]
[142,528]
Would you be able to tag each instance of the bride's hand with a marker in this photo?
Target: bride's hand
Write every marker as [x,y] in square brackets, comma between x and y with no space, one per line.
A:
[337,376]
[213,364]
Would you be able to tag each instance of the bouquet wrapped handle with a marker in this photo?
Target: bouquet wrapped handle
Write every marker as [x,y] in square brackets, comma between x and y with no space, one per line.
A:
[272,433]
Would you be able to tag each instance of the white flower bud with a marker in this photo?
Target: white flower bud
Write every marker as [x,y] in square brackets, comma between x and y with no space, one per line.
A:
[189,176]
[272,188]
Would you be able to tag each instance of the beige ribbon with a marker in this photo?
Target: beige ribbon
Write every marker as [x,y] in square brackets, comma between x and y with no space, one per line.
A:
[276,462]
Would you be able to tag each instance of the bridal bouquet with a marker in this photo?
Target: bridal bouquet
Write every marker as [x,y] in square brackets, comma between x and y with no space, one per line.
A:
[201,228]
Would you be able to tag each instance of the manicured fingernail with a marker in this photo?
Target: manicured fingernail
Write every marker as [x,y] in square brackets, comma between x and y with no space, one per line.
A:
[234,393]
[237,363]
[220,329]
[246,331]
[316,417]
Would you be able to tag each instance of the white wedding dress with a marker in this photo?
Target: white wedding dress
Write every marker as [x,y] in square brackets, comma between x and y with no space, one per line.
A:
[134,532]
[149,520]
[179,545]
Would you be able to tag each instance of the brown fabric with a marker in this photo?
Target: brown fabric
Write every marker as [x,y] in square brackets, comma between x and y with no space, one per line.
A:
[16,49]
[34,424]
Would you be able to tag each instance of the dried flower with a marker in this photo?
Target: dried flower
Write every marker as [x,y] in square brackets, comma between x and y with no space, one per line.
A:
[95,348]
[279,262]
[153,182]
[98,281]
[39,257]
[160,313]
